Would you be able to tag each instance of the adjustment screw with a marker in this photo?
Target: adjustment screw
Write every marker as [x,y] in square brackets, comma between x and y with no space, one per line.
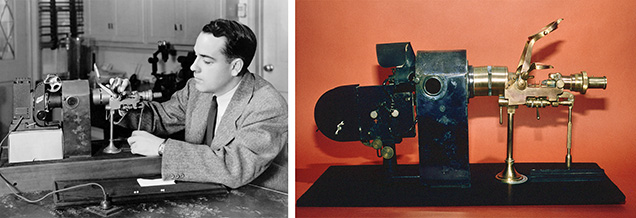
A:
[374,114]
[395,113]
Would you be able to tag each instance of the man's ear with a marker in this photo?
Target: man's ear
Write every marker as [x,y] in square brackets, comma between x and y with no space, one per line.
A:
[237,66]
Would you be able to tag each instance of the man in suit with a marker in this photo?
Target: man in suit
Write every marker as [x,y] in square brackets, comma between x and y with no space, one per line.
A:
[235,122]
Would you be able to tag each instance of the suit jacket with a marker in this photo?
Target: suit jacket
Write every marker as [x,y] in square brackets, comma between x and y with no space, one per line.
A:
[250,138]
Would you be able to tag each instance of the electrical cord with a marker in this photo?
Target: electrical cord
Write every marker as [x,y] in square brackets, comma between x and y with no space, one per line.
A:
[17,192]
[105,204]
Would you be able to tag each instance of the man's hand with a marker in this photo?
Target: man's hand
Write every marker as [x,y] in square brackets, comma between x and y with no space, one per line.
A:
[144,143]
[118,85]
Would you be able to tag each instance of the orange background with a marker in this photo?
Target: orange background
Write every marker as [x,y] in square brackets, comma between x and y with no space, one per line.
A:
[335,46]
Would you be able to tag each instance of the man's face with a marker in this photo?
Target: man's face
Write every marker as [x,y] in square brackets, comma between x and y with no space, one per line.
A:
[213,72]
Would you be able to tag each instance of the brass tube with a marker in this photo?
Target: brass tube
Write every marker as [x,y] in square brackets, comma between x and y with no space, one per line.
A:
[597,82]
[510,175]
[568,156]
[110,139]
[100,97]
[111,149]
[488,80]
[580,82]
[511,118]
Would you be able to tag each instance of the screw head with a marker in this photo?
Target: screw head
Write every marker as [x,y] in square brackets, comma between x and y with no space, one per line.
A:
[374,114]
[395,113]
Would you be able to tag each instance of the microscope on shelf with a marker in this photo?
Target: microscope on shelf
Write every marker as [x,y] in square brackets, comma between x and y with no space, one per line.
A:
[168,83]
[432,89]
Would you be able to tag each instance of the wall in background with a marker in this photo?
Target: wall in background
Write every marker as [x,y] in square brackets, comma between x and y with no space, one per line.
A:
[125,60]
[130,56]
[25,59]
[133,61]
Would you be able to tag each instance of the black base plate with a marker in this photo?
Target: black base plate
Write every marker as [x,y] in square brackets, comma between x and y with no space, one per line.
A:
[548,184]
[127,190]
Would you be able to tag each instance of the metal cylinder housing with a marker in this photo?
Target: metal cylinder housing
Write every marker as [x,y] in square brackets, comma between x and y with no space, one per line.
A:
[487,80]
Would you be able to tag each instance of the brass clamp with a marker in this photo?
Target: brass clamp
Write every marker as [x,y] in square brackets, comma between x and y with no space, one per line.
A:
[525,66]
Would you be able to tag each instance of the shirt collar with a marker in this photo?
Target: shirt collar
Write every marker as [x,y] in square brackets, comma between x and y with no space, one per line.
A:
[228,95]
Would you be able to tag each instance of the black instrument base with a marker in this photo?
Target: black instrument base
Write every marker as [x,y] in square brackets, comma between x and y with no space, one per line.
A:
[128,190]
[548,184]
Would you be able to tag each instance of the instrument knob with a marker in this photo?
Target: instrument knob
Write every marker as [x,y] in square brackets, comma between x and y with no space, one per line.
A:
[41,115]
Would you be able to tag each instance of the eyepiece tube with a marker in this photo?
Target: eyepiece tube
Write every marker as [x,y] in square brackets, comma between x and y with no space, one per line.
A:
[580,82]
[149,95]
[598,82]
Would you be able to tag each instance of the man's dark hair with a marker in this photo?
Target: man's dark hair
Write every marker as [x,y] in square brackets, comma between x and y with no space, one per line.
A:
[240,43]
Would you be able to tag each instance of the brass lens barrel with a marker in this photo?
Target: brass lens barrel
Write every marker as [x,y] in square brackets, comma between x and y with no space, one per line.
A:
[487,80]
[580,82]
[149,95]
[100,97]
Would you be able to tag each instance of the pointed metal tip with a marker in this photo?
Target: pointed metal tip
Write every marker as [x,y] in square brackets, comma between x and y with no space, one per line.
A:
[96,70]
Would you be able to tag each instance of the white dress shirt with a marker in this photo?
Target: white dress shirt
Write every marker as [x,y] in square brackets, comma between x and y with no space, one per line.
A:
[223,101]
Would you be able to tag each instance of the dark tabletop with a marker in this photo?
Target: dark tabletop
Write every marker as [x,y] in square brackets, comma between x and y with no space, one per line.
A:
[247,201]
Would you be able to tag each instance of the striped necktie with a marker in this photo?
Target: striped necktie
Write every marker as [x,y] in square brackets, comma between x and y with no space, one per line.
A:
[209,134]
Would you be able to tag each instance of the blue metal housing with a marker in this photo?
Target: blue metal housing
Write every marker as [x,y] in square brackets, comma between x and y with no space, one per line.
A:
[442,113]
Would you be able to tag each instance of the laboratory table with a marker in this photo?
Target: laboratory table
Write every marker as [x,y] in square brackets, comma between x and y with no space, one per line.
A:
[247,201]
[36,179]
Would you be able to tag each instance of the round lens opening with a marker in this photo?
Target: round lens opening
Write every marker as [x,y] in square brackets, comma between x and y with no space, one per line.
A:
[433,86]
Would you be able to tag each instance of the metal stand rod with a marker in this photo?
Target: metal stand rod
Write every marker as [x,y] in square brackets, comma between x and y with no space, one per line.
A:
[390,165]
[110,138]
[568,156]
[111,149]
[509,175]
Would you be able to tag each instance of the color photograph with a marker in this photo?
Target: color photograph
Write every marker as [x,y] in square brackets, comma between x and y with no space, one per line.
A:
[464,108]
